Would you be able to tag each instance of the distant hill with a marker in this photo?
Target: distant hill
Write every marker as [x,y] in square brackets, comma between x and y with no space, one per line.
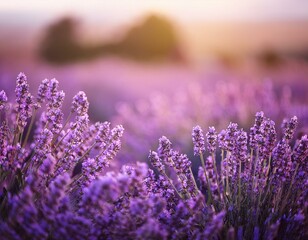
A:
[242,38]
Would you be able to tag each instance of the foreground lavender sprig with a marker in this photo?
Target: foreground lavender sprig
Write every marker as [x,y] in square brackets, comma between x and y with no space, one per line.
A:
[198,140]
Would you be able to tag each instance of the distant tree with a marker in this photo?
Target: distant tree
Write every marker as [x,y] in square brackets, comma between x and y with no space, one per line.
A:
[60,44]
[270,58]
[154,39]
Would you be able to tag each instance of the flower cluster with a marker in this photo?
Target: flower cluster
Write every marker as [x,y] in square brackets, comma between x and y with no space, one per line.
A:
[54,183]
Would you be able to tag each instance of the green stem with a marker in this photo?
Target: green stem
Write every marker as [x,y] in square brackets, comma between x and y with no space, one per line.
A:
[216,174]
[89,149]
[239,187]
[251,158]
[62,139]
[66,122]
[171,183]
[254,170]
[268,187]
[289,190]
[16,130]
[207,179]
[29,128]
[194,180]
[227,177]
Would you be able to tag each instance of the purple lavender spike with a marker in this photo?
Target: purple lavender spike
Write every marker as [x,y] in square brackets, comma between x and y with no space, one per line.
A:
[80,103]
[198,140]
[156,161]
[289,128]
[211,137]
[3,99]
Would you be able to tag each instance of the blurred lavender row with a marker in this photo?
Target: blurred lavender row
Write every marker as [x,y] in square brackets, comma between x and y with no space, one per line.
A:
[215,103]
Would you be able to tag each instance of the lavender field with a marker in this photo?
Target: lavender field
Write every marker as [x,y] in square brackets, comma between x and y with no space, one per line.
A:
[63,182]
[124,123]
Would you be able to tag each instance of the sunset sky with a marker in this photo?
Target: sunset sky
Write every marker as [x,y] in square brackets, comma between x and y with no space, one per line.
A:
[279,23]
[118,12]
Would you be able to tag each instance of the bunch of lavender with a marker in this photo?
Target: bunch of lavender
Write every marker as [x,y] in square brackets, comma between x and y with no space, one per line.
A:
[44,163]
[256,186]
[260,183]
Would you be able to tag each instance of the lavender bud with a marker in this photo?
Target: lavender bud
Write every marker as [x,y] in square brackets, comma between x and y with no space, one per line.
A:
[43,144]
[164,150]
[80,103]
[267,138]
[215,226]
[255,130]
[42,91]
[289,128]
[52,89]
[57,100]
[103,132]
[156,161]
[55,118]
[24,100]
[282,161]
[230,137]
[300,153]
[198,140]
[47,165]
[117,132]
[241,146]
[211,137]
[222,140]
[3,99]
[3,144]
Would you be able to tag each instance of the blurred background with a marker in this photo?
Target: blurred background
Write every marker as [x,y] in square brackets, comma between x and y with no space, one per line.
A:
[160,67]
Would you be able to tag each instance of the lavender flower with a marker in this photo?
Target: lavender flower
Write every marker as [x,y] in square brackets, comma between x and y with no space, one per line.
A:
[241,146]
[300,153]
[267,138]
[42,92]
[55,118]
[215,226]
[3,99]
[230,137]
[52,89]
[198,140]
[103,132]
[282,161]
[80,104]
[3,144]
[43,145]
[164,150]
[156,161]
[255,130]
[24,100]
[221,140]
[211,137]
[182,167]
[289,127]
[117,132]
[57,100]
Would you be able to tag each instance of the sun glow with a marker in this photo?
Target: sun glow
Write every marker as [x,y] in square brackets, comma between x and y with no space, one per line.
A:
[182,10]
